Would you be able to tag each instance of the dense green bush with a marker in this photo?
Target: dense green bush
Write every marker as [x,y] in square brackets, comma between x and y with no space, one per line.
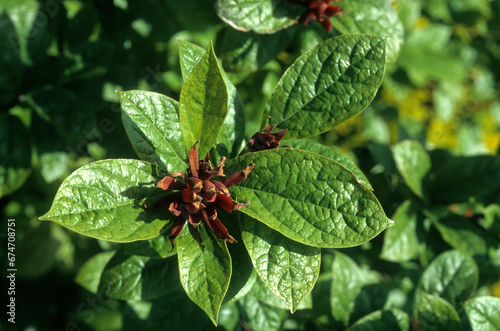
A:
[422,78]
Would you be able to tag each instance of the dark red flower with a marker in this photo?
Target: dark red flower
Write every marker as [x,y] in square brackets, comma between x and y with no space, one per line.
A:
[197,194]
[318,10]
[263,140]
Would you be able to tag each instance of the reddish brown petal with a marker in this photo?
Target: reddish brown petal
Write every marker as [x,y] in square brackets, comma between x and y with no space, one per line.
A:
[194,184]
[238,177]
[174,208]
[192,208]
[327,25]
[176,229]
[218,228]
[221,188]
[193,160]
[166,201]
[225,202]
[170,183]
[333,10]
[238,206]
[279,135]
[189,196]
[209,191]
[195,219]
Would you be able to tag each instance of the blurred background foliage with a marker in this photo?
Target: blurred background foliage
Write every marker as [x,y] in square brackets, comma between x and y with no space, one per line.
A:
[61,62]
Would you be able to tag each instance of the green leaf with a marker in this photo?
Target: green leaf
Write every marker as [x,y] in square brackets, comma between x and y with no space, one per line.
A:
[152,125]
[102,200]
[288,268]
[483,313]
[401,243]
[89,274]
[435,313]
[133,277]
[459,178]
[464,235]
[260,316]
[262,292]
[250,51]
[376,17]
[205,269]
[52,104]
[155,248]
[347,281]
[15,154]
[452,276]
[426,55]
[331,153]
[203,104]
[176,312]
[243,274]
[232,132]
[261,16]
[10,62]
[308,198]
[189,56]
[413,163]
[327,85]
[390,319]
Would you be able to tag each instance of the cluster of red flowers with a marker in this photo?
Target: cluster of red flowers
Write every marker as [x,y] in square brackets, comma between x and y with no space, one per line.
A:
[197,195]
[318,10]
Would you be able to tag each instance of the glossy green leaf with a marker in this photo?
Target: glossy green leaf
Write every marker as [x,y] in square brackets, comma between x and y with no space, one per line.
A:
[435,313]
[232,132]
[155,248]
[483,313]
[261,16]
[152,125]
[203,104]
[375,17]
[400,241]
[347,282]
[262,292]
[15,154]
[250,51]
[327,85]
[413,163]
[102,200]
[308,198]
[452,276]
[331,153]
[288,268]
[189,56]
[205,269]
[390,319]
[259,315]
[89,274]
[130,277]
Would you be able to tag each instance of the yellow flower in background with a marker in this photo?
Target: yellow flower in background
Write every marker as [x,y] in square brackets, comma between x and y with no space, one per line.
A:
[490,133]
[442,134]
[495,289]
